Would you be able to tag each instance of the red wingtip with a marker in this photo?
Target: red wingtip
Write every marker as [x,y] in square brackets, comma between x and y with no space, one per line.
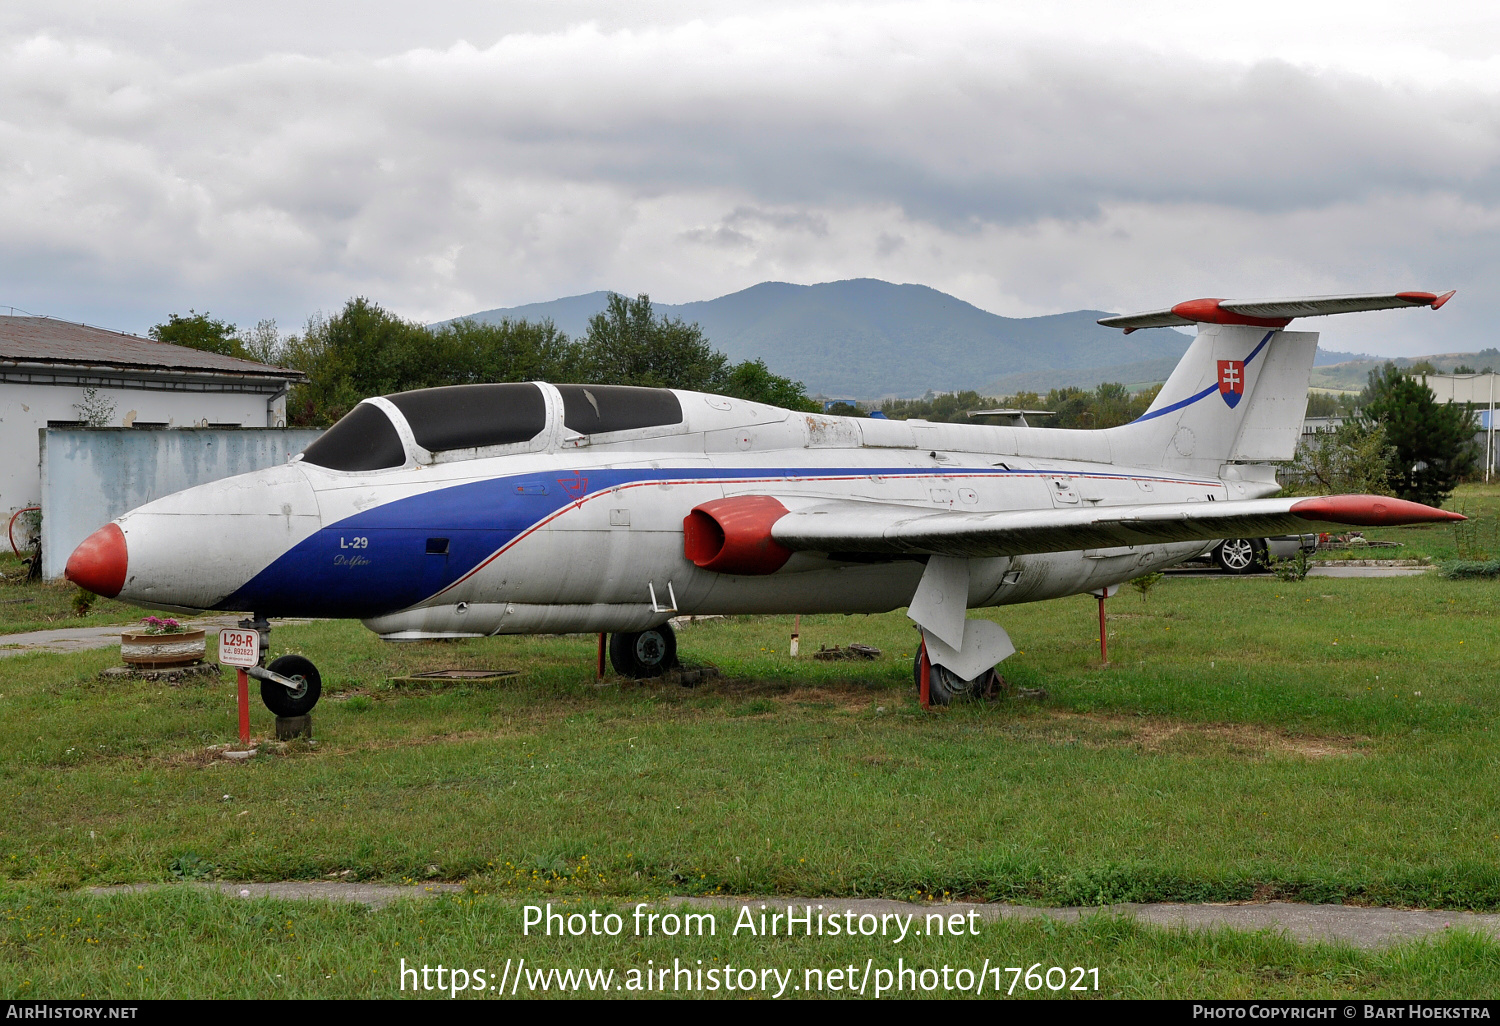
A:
[1431,299]
[98,564]
[1370,511]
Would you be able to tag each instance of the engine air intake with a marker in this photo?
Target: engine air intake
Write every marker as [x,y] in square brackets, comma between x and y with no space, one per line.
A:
[733,536]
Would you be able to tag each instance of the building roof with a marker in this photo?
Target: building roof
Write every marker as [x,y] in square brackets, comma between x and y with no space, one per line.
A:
[48,340]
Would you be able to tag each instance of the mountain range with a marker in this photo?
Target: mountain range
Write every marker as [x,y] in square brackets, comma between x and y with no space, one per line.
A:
[1352,373]
[867,339]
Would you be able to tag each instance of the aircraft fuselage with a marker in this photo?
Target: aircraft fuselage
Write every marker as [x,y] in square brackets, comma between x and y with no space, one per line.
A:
[585,532]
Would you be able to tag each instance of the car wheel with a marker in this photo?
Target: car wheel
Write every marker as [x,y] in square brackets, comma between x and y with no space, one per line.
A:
[640,654]
[1240,555]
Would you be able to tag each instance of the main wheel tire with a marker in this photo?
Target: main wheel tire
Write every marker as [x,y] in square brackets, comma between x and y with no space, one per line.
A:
[1240,555]
[943,685]
[641,654]
[285,702]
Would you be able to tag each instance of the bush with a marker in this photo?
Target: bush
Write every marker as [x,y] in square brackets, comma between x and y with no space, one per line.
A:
[1469,569]
[1144,583]
[1292,569]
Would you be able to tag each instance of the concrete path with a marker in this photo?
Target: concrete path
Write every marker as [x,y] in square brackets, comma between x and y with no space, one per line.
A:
[1322,570]
[1368,571]
[1360,927]
[79,639]
[374,895]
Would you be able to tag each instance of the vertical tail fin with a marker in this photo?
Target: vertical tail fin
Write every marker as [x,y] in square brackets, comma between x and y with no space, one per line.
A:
[1238,394]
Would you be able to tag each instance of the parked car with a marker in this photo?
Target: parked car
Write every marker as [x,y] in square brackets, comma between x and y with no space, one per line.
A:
[1249,555]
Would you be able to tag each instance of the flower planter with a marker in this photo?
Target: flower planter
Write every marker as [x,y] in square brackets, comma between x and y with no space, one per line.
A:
[157,651]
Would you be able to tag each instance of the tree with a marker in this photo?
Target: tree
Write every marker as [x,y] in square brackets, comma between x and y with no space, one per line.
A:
[627,344]
[753,380]
[360,351]
[365,350]
[262,343]
[1353,458]
[507,351]
[1107,405]
[951,407]
[1433,442]
[199,331]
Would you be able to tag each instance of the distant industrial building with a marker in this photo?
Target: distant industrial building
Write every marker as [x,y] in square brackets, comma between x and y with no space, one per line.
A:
[58,374]
[1322,425]
[1480,391]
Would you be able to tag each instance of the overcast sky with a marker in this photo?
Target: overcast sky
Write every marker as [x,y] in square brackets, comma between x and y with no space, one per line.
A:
[271,159]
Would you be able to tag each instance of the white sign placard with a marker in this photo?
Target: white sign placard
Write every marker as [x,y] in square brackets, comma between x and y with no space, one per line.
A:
[239,647]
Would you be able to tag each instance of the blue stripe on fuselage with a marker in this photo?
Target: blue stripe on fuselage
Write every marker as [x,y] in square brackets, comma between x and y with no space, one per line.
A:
[377,562]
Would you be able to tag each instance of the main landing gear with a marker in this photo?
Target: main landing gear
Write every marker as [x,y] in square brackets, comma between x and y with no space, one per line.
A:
[943,685]
[291,685]
[640,654]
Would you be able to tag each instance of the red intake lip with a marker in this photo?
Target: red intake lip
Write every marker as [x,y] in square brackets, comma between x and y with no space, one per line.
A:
[733,536]
[98,564]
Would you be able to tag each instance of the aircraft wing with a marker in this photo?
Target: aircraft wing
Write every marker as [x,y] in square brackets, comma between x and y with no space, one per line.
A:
[883,528]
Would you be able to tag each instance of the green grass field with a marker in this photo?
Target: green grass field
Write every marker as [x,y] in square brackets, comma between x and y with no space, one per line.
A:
[1328,740]
[48,605]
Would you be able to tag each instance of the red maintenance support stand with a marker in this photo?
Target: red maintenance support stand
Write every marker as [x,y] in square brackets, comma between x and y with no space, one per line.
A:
[1102,594]
[924,678]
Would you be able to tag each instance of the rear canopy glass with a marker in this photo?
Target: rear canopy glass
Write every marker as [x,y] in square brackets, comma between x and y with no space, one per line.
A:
[594,409]
[473,416]
[365,439]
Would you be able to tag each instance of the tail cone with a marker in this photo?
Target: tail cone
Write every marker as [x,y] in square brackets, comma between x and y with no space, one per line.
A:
[98,564]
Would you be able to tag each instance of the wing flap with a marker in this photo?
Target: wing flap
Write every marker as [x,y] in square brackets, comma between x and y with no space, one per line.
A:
[887,529]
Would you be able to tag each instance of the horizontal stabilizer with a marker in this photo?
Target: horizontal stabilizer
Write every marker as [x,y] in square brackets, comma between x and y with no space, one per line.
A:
[889,529]
[1270,313]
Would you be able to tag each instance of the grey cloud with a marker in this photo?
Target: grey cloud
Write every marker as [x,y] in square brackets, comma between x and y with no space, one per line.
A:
[722,236]
[551,157]
[792,220]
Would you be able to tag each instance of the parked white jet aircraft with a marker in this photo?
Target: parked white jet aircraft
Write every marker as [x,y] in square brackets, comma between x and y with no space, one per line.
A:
[533,508]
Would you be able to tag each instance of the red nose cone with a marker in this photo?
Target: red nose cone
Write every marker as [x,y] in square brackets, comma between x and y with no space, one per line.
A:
[98,565]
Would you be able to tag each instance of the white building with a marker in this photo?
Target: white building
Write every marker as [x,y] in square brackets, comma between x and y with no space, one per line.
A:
[47,368]
[1479,390]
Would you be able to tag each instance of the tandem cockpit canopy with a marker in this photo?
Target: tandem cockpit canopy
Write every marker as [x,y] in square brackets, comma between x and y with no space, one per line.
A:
[457,422]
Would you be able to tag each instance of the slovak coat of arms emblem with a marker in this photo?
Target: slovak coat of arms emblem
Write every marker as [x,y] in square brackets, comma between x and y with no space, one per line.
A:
[1232,381]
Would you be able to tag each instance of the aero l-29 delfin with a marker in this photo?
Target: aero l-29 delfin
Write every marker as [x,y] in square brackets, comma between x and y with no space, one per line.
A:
[531,508]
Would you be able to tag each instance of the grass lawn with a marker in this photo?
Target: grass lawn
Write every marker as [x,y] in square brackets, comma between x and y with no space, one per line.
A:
[187,944]
[1477,539]
[48,605]
[1328,740]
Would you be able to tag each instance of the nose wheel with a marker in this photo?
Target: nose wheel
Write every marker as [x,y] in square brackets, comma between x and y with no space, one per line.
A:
[292,701]
[640,654]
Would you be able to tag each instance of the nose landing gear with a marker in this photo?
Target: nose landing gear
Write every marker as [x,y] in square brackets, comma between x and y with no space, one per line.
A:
[291,701]
[291,685]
